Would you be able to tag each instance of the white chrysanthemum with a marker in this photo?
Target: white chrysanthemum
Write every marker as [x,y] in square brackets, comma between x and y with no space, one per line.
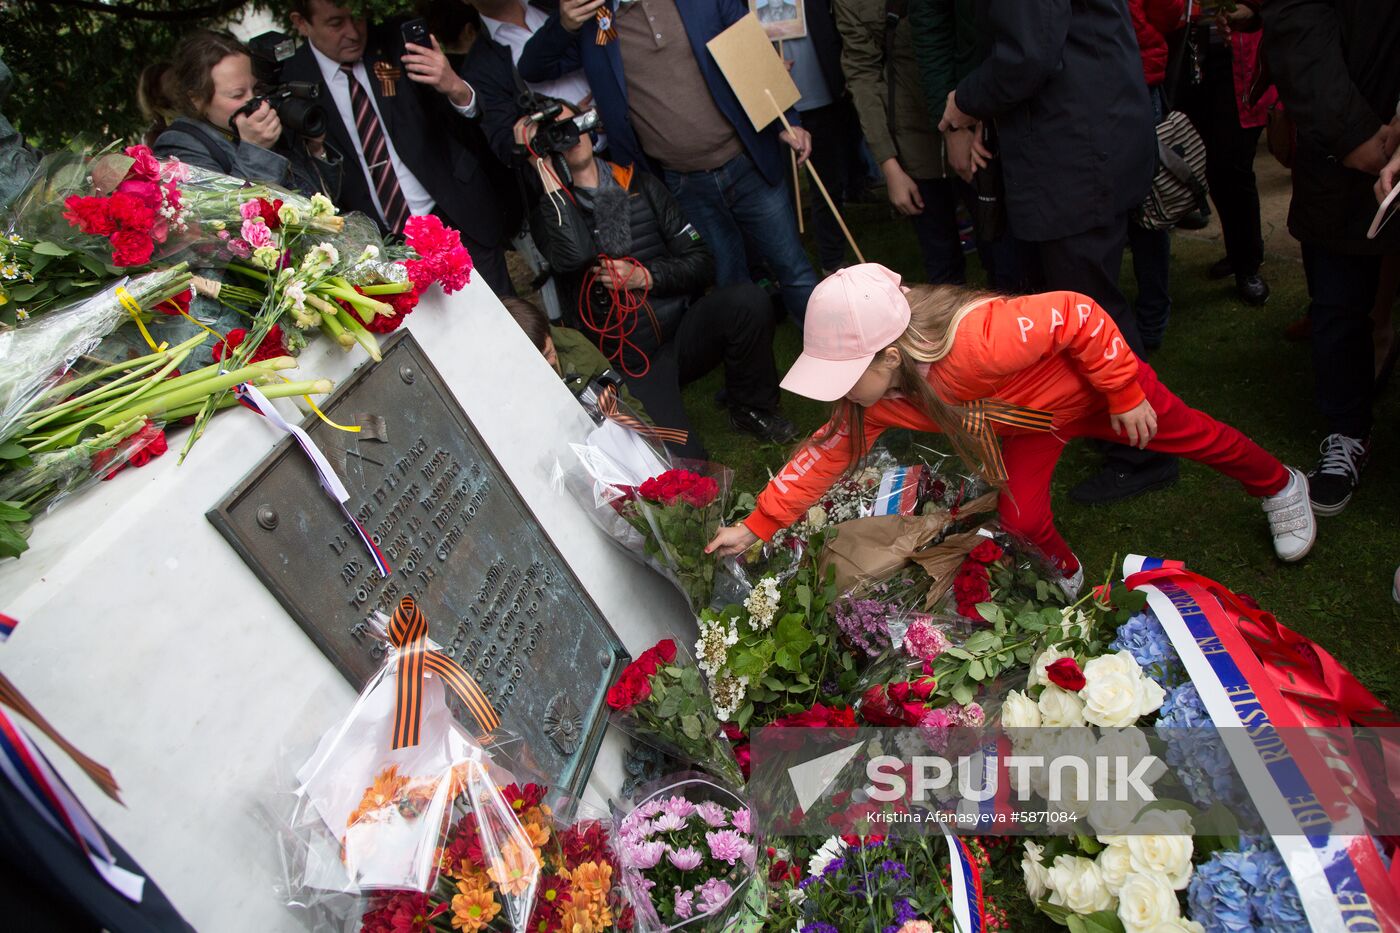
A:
[830,850]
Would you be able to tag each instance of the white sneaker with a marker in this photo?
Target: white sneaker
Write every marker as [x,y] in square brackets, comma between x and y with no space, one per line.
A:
[1291,518]
[1073,584]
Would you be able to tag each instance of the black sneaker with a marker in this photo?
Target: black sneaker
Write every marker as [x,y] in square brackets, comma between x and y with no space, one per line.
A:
[1114,482]
[1338,473]
[768,426]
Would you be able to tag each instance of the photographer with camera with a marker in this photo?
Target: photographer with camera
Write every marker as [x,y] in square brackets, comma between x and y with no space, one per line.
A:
[631,271]
[208,93]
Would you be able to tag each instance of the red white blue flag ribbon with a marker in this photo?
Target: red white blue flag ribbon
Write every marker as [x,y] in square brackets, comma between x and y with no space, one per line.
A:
[965,879]
[1341,880]
[255,401]
[7,627]
[31,774]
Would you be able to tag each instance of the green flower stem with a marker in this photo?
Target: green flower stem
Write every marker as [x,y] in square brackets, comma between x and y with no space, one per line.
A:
[363,337]
[365,306]
[72,434]
[66,388]
[52,470]
[387,288]
[330,325]
[273,390]
[170,401]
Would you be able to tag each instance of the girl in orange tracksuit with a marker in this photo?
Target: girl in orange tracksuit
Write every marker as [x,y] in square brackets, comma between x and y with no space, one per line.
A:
[1010,381]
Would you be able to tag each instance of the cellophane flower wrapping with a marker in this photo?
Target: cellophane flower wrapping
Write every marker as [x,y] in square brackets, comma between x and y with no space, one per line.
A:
[370,818]
[662,699]
[37,356]
[678,513]
[687,852]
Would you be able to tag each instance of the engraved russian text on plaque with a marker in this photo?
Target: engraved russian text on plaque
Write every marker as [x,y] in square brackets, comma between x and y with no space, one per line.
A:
[498,596]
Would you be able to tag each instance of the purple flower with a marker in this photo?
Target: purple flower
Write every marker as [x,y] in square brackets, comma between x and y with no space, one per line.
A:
[713,814]
[865,624]
[676,805]
[713,895]
[668,822]
[649,809]
[685,859]
[728,846]
[642,855]
[743,820]
[819,927]
[684,900]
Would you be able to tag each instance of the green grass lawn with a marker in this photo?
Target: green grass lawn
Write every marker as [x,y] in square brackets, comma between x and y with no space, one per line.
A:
[1232,361]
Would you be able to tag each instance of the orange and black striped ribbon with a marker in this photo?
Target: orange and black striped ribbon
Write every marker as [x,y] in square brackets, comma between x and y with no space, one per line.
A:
[408,631]
[978,417]
[11,697]
[607,404]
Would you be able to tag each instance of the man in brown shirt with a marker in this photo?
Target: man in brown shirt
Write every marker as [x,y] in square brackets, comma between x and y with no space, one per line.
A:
[668,109]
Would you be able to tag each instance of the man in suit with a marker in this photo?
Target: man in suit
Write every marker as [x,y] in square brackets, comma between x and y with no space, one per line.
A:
[384,99]
[669,110]
[1064,82]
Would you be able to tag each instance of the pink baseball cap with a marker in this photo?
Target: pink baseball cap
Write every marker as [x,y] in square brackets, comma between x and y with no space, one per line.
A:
[851,316]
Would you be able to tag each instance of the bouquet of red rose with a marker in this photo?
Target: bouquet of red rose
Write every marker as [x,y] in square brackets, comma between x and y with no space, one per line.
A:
[661,698]
[578,889]
[1006,571]
[677,513]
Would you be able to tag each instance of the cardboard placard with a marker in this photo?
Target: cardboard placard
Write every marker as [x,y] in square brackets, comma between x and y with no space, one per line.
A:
[751,65]
[781,19]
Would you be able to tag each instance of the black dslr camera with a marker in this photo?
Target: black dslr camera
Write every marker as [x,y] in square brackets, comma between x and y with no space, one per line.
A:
[298,103]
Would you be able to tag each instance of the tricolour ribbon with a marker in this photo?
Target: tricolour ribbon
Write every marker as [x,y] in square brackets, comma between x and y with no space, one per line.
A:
[408,631]
[965,879]
[255,401]
[978,417]
[607,404]
[1340,878]
[7,627]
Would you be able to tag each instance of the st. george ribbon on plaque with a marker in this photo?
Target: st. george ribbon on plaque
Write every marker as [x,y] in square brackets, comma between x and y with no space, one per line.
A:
[498,596]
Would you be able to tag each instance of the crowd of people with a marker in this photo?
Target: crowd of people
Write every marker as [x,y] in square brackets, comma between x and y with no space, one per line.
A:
[602,138]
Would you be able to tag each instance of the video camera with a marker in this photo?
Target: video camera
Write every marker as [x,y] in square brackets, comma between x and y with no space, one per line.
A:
[555,134]
[298,103]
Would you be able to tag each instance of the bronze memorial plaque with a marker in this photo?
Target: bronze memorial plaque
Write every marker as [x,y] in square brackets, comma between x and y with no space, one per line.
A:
[498,596]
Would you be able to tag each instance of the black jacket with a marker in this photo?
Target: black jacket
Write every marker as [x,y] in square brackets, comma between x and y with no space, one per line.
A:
[661,239]
[826,41]
[1337,67]
[413,118]
[1063,81]
[488,69]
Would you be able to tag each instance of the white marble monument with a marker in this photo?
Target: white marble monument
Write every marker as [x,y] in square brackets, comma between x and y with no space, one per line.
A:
[147,641]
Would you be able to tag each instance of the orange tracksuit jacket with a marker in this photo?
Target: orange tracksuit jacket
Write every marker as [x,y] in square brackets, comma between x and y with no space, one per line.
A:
[1058,352]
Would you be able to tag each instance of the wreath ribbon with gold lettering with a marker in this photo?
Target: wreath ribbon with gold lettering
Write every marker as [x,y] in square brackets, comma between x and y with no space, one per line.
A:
[408,632]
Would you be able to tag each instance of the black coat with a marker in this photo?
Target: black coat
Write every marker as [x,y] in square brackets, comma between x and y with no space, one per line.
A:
[821,29]
[488,69]
[1337,67]
[413,118]
[1063,81]
[661,239]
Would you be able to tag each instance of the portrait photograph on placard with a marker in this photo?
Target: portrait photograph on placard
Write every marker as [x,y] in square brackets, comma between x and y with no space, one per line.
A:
[781,19]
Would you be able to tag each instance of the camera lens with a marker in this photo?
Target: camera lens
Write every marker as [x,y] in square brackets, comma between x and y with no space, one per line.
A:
[306,117]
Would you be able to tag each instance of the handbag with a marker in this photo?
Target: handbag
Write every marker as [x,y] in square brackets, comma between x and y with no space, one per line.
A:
[1179,187]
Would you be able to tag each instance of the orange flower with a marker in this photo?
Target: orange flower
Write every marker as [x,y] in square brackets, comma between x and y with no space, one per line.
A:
[539,836]
[589,911]
[515,870]
[387,786]
[473,906]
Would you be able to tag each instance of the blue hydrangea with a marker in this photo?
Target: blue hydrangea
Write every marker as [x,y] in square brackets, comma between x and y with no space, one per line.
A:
[1197,756]
[1219,896]
[1246,890]
[1143,637]
[1273,898]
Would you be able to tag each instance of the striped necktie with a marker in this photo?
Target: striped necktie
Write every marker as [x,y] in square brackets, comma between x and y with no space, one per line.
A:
[375,147]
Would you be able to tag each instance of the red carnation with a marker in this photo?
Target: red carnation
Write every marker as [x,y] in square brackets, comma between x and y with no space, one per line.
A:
[268,210]
[177,304]
[270,347]
[841,717]
[1066,673]
[987,552]
[129,212]
[130,248]
[147,192]
[90,215]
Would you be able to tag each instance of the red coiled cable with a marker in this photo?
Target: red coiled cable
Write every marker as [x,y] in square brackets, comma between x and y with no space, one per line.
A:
[622,316]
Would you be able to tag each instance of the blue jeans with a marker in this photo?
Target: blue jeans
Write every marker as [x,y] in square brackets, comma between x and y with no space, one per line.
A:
[733,201]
